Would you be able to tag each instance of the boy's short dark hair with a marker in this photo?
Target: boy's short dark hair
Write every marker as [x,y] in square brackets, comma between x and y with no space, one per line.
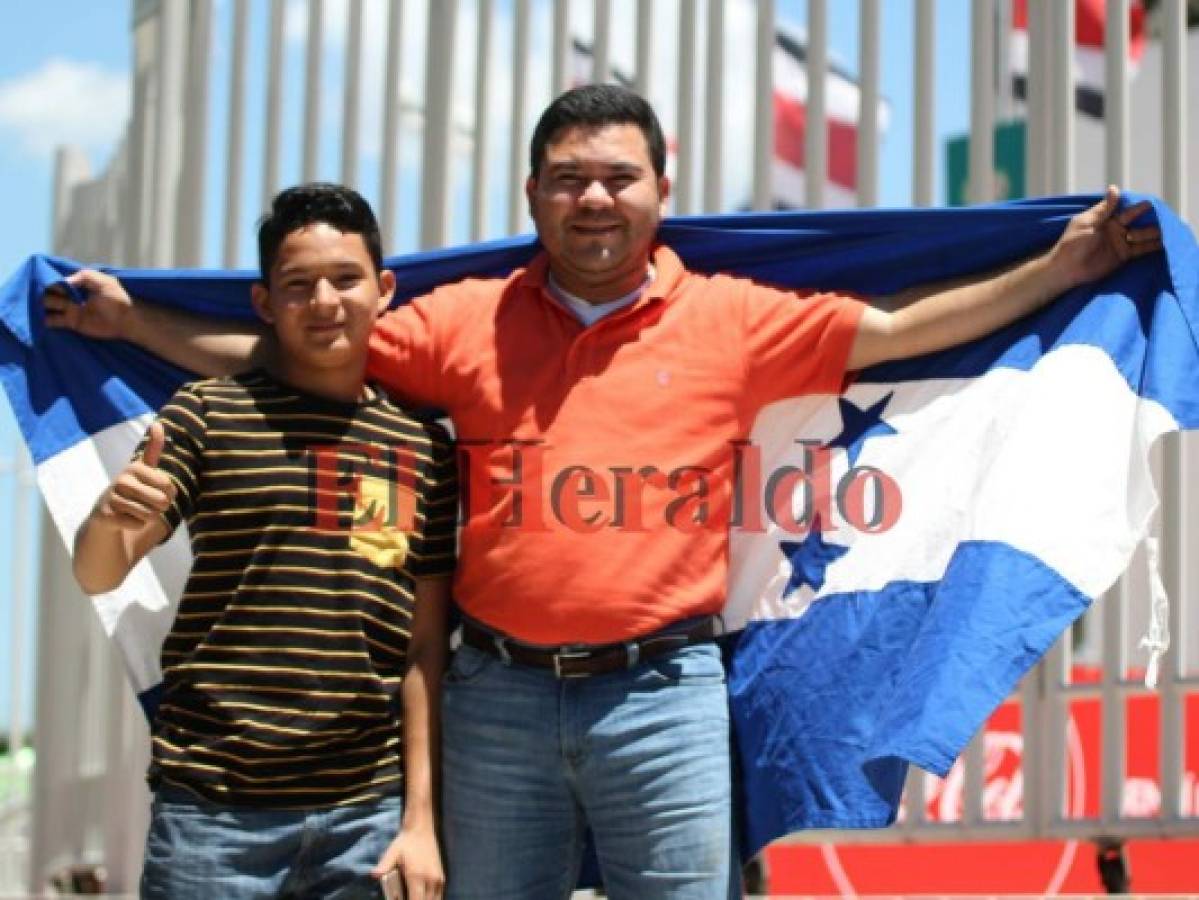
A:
[306,204]
[594,105]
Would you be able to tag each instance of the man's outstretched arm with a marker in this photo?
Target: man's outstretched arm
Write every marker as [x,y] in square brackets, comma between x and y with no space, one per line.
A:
[1095,243]
[198,344]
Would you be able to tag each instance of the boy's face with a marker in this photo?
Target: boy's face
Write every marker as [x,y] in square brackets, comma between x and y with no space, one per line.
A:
[323,298]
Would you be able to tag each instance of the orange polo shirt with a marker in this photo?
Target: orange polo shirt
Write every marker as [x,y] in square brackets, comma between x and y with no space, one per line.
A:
[597,461]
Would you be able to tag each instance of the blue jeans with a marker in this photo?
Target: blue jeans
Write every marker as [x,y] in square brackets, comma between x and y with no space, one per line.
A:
[196,849]
[639,756]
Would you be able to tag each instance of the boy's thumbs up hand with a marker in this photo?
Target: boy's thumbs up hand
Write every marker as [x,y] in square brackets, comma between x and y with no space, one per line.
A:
[142,492]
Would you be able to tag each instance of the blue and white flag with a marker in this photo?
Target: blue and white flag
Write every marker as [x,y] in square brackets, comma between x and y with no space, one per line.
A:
[1019,466]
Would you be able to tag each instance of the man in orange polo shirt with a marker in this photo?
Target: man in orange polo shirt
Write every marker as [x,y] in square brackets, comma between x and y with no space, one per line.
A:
[598,396]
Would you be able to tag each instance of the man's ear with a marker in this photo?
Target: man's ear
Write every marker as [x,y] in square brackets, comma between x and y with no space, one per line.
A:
[663,194]
[260,298]
[530,190]
[387,290]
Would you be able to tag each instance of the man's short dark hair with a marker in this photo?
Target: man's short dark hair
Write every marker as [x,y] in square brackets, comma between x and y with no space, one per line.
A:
[594,105]
[306,204]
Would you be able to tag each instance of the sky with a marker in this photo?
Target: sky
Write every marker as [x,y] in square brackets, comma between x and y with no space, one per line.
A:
[65,79]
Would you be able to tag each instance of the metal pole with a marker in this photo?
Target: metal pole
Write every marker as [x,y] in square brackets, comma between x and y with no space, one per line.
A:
[439,94]
[1061,60]
[478,208]
[517,165]
[601,68]
[1004,106]
[982,103]
[189,208]
[763,188]
[172,47]
[1175,542]
[390,164]
[559,69]
[816,126]
[1113,757]
[1174,106]
[353,91]
[684,170]
[867,162]
[310,164]
[924,137]
[236,142]
[22,550]
[1115,92]
[642,51]
[714,114]
[1035,137]
[274,105]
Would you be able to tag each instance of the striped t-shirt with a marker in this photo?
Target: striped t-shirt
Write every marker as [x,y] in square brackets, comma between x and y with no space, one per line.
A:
[309,519]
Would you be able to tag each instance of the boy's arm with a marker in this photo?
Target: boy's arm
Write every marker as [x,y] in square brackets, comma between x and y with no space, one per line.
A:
[415,850]
[126,522]
[1095,243]
[202,345]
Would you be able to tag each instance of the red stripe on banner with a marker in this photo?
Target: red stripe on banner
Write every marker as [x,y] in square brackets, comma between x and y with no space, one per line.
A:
[790,117]
[1090,17]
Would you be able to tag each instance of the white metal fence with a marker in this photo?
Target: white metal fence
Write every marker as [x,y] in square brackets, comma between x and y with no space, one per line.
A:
[438,142]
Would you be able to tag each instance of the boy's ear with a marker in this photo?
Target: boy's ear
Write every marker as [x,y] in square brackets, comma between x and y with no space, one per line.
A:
[260,298]
[387,290]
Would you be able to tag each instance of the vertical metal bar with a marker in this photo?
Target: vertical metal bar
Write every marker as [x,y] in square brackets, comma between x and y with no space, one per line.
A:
[684,196]
[1057,667]
[478,197]
[1175,471]
[189,208]
[390,164]
[1174,106]
[763,186]
[310,164]
[914,798]
[172,47]
[1004,107]
[1062,103]
[601,46]
[923,106]
[274,105]
[714,111]
[1175,577]
[1115,628]
[982,102]
[22,549]
[1115,92]
[1036,93]
[870,26]
[644,46]
[1032,769]
[439,94]
[353,89]
[561,48]
[235,144]
[517,165]
[816,125]
[974,759]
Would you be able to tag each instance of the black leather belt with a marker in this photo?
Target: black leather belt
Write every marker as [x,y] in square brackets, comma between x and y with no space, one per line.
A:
[583,660]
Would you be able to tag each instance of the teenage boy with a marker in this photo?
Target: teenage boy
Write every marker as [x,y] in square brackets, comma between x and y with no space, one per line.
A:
[298,727]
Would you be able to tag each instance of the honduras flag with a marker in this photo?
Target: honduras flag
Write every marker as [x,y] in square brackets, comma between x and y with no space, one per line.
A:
[1016,474]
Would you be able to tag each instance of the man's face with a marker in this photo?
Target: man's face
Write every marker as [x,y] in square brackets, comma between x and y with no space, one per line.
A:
[597,203]
[324,297]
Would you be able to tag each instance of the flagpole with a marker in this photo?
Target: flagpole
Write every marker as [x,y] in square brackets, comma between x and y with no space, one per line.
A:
[867,173]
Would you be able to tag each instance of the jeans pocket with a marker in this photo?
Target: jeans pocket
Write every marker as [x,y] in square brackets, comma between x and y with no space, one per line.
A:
[468,665]
[698,665]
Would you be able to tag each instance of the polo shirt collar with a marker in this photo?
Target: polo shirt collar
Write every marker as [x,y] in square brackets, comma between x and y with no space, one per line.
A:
[668,272]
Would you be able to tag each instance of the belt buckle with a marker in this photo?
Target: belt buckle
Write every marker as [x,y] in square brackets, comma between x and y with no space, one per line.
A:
[565,654]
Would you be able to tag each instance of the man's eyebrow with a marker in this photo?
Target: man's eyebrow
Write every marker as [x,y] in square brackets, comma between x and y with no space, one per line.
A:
[618,167]
[340,266]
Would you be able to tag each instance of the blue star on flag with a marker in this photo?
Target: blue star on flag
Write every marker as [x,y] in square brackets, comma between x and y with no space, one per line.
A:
[858,425]
[809,558]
